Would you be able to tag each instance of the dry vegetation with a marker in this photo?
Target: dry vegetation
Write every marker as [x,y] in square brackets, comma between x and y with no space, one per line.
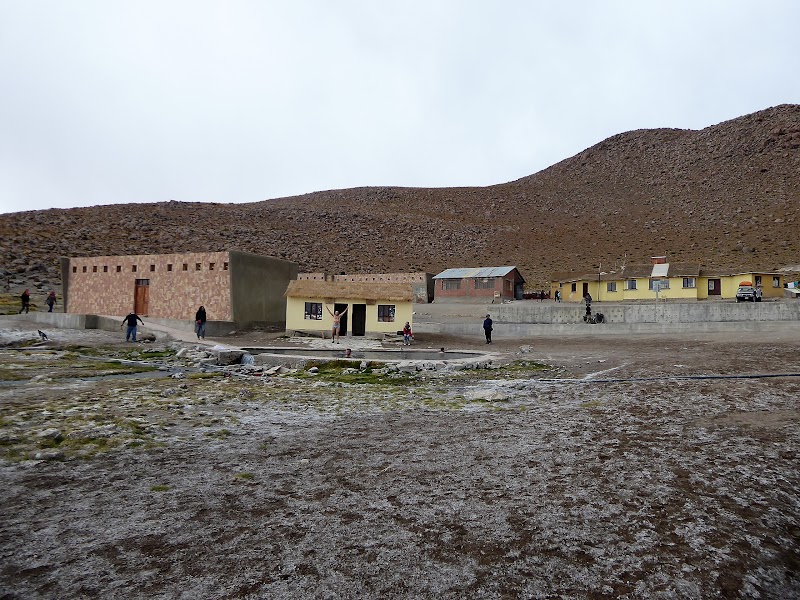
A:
[727,196]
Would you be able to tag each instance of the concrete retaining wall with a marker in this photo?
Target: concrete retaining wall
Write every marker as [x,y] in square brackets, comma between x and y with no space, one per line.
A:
[530,330]
[662,312]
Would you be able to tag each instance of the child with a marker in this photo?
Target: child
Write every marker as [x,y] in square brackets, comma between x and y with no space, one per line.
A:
[407,335]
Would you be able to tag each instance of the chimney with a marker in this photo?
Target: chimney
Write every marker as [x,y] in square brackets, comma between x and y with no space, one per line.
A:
[658,260]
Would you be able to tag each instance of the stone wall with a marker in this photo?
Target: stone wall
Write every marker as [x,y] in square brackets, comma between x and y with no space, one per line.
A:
[178,284]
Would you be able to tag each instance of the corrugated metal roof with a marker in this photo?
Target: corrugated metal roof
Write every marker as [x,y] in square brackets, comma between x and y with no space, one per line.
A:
[660,270]
[474,272]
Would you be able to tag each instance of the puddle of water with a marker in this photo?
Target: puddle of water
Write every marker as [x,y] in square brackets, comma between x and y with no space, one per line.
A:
[376,355]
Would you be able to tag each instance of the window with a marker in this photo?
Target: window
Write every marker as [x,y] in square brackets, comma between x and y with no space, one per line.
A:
[224,266]
[197,266]
[313,311]
[94,269]
[574,288]
[211,266]
[142,282]
[776,282]
[74,269]
[152,268]
[105,268]
[185,267]
[133,269]
[385,313]
[758,280]
[611,286]
[630,284]
[689,282]
[484,284]
[169,267]
[508,285]
[451,284]
[662,284]
[119,268]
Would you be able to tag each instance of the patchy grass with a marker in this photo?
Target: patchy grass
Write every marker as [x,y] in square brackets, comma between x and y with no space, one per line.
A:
[220,434]
[334,372]
[159,488]
[247,476]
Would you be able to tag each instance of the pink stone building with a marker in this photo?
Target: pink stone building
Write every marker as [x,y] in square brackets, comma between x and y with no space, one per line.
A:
[233,286]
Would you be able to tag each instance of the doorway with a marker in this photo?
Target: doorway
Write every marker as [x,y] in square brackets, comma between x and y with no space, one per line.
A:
[141,297]
[359,319]
[714,287]
[585,288]
[343,319]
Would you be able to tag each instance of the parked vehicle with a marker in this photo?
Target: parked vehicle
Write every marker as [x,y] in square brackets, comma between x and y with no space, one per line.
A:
[746,292]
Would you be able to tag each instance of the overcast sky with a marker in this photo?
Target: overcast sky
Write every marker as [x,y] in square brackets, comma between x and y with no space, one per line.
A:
[107,101]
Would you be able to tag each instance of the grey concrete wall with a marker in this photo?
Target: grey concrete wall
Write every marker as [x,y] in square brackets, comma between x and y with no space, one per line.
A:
[258,284]
[650,312]
[65,272]
[505,331]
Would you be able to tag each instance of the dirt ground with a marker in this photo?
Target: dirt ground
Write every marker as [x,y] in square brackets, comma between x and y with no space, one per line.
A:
[595,467]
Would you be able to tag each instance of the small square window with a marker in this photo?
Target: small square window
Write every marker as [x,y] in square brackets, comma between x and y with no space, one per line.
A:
[84,269]
[105,268]
[574,287]
[211,266]
[197,266]
[119,268]
[185,266]
[169,267]
[224,266]
[152,268]
[133,269]
[94,269]
[74,269]
[611,286]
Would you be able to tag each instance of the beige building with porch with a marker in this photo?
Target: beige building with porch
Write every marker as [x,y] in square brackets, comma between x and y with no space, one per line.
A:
[372,308]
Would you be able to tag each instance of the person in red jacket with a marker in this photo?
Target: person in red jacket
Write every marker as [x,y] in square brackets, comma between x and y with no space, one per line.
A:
[407,335]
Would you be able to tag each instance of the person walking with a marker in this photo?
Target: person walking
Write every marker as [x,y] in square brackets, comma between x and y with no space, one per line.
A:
[51,301]
[131,321]
[407,335]
[487,329]
[588,300]
[337,322]
[26,301]
[200,322]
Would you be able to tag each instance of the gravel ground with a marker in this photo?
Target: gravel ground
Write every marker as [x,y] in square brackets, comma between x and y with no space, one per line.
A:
[616,472]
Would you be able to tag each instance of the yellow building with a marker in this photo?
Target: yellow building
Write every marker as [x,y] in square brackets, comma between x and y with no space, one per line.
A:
[667,281]
[371,308]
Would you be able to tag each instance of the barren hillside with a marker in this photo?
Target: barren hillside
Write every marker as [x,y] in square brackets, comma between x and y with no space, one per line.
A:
[727,196]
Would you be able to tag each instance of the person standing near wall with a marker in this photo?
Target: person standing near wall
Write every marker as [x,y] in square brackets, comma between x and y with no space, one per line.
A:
[200,322]
[407,335]
[487,329]
[51,301]
[131,321]
[26,301]
[337,322]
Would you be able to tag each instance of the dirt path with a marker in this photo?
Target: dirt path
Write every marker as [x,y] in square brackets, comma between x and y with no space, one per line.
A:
[497,484]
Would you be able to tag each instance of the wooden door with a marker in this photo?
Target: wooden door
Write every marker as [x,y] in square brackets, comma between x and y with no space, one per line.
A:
[714,287]
[359,319]
[141,297]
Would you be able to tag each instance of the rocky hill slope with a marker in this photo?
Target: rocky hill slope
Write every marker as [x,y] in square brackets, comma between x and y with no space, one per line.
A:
[727,196]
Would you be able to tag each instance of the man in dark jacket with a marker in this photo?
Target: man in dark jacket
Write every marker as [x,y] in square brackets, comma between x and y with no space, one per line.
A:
[487,329]
[26,301]
[131,321]
[200,322]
